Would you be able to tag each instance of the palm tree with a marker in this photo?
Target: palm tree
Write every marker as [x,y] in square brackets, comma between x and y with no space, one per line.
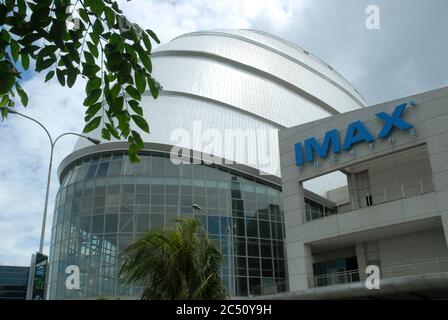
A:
[181,263]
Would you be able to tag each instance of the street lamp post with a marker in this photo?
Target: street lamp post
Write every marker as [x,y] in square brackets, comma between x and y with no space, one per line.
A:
[52,144]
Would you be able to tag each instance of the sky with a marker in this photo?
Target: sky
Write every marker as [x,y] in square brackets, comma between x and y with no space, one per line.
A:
[406,55]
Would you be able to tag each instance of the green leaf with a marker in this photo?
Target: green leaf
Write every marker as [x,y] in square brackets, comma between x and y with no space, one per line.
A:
[4,101]
[7,77]
[93,49]
[132,154]
[92,125]
[117,104]
[44,64]
[110,16]
[95,38]
[97,7]
[22,94]
[89,69]
[98,27]
[147,42]
[4,112]
[113,131]
[73,53]
[144,57]
[22,7]
[84,15]
[140,122]
[92,97]
[15,50]
[114,60]
[61,77]
[133,93]
[115,90]
[153,35]
[71,77]
[153,88]
[89,58]
[140,82]
[135,106]
[25,61]
[92,84]
[93,109]
[49,76]
[138,139]
[105,134]
[116,8]
[47,51]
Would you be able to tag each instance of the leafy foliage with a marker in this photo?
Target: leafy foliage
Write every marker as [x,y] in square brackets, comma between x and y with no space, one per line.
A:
[103,47]
[175,264]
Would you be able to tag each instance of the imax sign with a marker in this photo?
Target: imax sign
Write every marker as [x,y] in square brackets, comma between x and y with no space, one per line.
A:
[356,132]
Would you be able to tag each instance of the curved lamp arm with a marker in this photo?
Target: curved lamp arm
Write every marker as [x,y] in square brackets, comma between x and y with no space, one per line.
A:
[52,143]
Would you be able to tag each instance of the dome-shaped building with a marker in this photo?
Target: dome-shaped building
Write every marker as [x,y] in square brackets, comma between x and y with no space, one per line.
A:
[242,84]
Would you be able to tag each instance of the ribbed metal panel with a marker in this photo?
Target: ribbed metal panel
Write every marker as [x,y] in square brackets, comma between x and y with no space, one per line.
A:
[240,79]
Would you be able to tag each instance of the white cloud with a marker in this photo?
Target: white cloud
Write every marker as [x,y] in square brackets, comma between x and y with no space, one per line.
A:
[173,18]
[25,151]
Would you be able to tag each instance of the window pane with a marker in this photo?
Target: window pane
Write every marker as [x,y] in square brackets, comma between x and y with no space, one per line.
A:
[143,167]
[172,170]
[157,221]
[252,228]
[265,248]
[252,247]
[114,168]
[97,224]
[126,222]
[102,169]
[213,225]
[129,168]
[265,231]
[240,246]
[158,167]
[142,222]
[111,223]
[91,171]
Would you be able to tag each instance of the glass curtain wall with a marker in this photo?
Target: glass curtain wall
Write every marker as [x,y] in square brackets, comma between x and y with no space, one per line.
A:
[105,203]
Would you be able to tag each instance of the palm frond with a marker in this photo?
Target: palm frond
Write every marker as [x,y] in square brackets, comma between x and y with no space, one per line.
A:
[182,263]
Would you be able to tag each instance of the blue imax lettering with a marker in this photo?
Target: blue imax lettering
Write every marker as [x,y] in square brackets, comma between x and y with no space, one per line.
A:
[356,132]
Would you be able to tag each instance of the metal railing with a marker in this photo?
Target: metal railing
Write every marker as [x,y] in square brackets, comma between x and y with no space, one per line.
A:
[381,196]
[400,270]
[331,279]
[267,289]
[385,195]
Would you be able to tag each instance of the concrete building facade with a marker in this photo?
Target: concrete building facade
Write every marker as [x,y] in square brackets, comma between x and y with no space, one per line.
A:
[392,214]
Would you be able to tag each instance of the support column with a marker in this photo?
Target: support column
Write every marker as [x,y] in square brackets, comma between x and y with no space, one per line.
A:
[353,192]
[361,257]
[299,256]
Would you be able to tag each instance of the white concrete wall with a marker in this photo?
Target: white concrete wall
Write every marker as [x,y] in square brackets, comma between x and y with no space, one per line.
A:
[407,173]
[339,195]
[410,248]
[378,222]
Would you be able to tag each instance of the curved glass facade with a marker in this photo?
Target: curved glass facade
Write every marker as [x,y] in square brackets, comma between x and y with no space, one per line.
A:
[105,203]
